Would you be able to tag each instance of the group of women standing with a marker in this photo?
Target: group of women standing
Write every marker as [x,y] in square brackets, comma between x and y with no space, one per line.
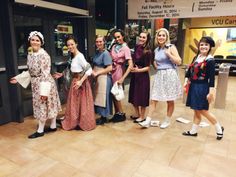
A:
[109,68]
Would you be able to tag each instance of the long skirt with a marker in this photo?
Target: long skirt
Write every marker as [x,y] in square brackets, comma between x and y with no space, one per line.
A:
[166,85]
[79,108]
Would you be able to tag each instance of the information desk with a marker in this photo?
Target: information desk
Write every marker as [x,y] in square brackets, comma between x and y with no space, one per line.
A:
[232,71]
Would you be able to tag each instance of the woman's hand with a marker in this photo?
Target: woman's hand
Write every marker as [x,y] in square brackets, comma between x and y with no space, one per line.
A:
[94,74]
[186,85]
[13,80]
[211,95]
[155,65]
[120,81]
[77,84]
[57,75]
[134,69]
[210,98]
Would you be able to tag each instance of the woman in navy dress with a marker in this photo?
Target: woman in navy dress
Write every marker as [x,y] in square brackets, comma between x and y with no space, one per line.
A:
[139,90]
[201,76]
[102,62]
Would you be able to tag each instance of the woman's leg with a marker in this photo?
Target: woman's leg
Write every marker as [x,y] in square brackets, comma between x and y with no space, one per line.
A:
[152,108]
[119,115]
[170,110]
[196,121]
[41,126]
[118,106]
[136,110]
[142,112]
[211,117]
[53,124]
[40,130]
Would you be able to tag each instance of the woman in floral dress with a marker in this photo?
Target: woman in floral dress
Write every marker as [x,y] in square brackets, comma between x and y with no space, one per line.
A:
[46,102]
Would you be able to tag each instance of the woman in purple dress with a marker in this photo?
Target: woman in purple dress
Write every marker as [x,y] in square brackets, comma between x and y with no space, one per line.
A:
[140,82]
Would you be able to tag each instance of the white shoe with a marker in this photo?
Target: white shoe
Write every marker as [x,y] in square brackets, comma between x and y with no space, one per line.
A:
[145,123]
[165,124]
[155,123]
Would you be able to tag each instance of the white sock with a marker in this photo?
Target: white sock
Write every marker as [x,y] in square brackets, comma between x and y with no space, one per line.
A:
[53,123]
[167,119]
[148,119]
[218,128]
[194,129]
[41,126]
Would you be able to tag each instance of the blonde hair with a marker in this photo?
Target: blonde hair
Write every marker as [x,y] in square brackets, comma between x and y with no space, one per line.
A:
[167,36]
[100,36]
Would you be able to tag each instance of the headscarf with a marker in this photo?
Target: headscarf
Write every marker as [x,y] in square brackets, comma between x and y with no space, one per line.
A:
[36,33]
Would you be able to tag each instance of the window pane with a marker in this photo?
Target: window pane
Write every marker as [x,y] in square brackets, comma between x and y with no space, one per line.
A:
[23,26]
[61,32]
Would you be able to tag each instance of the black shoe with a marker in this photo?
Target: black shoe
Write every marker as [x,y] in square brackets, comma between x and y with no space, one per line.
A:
[138,121]
[58,121]
[187,133]
[49,129]
[101,121]
[36,135]
[120,117]
[133,117]
[220,135]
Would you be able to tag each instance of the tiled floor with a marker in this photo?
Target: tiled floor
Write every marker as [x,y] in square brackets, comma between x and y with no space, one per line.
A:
[124,149]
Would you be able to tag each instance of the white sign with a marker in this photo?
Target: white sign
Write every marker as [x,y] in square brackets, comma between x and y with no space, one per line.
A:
[153,9]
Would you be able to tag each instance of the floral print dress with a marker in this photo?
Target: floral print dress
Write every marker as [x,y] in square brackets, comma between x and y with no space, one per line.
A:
[39,67]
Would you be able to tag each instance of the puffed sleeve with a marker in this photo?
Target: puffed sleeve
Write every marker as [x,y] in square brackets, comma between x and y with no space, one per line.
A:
[23,79]
[87,69]
[127,52]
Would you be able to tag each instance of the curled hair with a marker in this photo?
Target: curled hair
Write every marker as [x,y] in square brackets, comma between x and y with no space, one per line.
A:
[167,36]
[71,37]
[119,31]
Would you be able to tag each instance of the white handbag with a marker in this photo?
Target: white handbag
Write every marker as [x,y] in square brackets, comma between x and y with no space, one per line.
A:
[118,91]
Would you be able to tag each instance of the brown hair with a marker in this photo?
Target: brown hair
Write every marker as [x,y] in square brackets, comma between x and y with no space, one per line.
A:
[147,46]
[70,37]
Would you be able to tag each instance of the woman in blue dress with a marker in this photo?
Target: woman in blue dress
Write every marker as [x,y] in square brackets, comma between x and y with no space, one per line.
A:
[201,76]
[102,62]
